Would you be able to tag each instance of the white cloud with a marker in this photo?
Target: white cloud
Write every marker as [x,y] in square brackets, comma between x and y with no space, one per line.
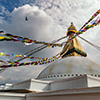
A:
[38,24]
[38,27]
[13,75]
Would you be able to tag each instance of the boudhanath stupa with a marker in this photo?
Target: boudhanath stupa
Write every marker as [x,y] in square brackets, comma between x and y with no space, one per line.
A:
[74,77]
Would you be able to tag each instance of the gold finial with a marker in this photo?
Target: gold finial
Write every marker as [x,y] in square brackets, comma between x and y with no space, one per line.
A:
[71,23]
[72,28]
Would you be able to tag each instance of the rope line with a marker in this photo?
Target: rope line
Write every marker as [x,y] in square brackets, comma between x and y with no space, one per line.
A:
[39,48]
[95,46]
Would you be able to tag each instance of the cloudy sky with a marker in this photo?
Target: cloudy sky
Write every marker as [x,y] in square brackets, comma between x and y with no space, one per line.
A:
[48,20]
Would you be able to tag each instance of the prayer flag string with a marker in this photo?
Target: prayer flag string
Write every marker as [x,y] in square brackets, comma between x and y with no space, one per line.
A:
[16,38]
[94,15]
[16,55]
[13,64]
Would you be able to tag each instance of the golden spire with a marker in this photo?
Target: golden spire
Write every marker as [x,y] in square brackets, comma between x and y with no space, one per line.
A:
[75,49]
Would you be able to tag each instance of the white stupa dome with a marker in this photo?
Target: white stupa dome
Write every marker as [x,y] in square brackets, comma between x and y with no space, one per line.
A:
[69,67]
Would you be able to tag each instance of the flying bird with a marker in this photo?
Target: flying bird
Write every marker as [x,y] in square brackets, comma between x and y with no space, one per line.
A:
[26,18]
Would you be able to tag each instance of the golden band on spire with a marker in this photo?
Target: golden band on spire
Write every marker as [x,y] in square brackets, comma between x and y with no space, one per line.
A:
[71,29]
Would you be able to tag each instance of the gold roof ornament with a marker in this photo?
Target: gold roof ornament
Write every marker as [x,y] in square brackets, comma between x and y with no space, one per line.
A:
[75,48]
[71,29]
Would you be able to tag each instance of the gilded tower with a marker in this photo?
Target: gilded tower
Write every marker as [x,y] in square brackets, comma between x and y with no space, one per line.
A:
[75,48]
